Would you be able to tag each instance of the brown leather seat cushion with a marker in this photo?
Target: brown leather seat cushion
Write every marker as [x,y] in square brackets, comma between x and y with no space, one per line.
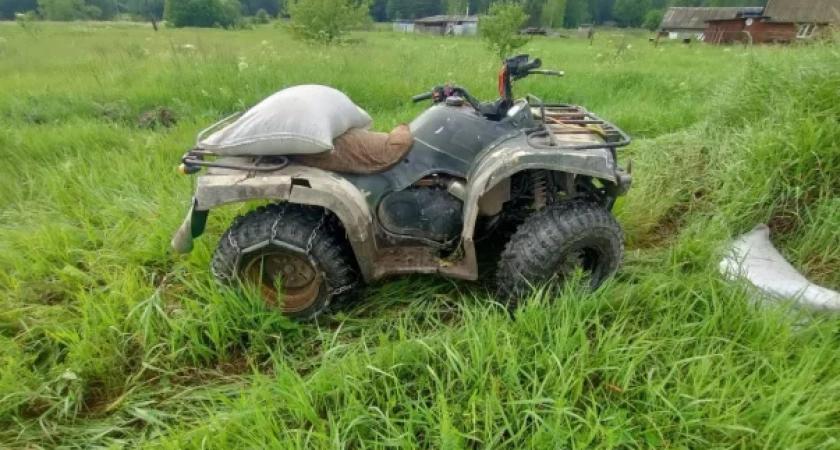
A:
[363,152]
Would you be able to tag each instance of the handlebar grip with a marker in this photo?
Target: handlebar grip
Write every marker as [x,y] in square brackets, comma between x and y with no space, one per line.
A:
[535,64]
[555,73]
[421,97]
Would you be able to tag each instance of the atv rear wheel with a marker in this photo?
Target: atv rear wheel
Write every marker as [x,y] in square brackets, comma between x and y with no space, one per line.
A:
[293,254]
[554,243]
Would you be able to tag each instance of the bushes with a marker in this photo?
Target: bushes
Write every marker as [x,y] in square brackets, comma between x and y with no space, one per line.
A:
[653,19]
[202,13]
[262,17]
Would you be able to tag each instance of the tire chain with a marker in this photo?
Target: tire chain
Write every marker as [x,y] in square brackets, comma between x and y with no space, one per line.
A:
[310,241]
[309,244]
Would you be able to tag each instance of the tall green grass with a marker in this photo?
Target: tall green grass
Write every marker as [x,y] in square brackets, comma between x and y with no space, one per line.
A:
[109,340]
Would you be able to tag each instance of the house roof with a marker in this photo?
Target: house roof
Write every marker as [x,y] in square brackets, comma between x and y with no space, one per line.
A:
[446,19]
[803,11]
[696,18]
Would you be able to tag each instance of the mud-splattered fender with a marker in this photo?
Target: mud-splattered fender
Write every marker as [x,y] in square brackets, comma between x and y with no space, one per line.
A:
[513,154]
[295,184]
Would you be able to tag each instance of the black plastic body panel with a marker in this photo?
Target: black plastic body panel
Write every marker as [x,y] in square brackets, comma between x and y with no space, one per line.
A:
[446,141]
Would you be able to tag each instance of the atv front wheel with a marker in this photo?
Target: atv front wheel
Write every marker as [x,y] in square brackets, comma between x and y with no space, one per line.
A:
[554,243]
[293,254]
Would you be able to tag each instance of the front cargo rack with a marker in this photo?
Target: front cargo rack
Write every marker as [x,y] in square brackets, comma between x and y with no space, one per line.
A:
[562,118]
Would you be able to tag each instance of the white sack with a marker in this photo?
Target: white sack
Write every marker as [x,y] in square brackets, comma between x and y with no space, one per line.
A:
[753,257]
[297,120]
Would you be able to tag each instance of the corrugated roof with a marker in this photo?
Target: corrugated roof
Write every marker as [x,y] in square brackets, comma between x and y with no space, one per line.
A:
[447,19]
[803,11]
[695,18]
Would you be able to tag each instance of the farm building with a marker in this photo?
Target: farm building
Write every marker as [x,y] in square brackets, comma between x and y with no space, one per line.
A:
[782,21]
[806,17]
[447,25]
[690,23]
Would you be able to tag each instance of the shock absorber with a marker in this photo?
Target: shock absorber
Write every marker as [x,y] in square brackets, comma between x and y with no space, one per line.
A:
[540,189]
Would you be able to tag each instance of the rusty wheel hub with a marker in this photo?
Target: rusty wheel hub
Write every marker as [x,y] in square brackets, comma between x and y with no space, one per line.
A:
[283,272]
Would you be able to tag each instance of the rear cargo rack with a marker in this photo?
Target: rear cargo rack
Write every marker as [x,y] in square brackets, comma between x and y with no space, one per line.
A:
[194,160]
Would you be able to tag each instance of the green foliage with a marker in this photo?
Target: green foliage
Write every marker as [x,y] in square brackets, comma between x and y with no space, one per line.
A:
[553,13]
[143,10]
[500,28]
[631,13]
[577,13]
[414,9]
[653,19]
[64,9]
[252,7]
[456,7]
[29,22]
[326,20]
[262,17]
[10,8]
[202,13]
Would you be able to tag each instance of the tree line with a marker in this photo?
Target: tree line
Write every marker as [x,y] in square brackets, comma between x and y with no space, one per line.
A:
[544,13]
[65,10]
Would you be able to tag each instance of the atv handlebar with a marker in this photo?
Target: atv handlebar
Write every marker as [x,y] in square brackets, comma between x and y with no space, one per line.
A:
[420,97]
[440,93]
[553,73]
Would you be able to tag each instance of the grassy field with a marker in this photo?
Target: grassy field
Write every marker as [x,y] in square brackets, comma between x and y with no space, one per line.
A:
[109,340]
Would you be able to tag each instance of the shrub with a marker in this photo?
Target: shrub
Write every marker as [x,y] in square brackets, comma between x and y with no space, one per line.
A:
[653,19]
[245,23]
[326,20]
[28,21]
[63,10]
[202,13]
[500,28]
[262,16]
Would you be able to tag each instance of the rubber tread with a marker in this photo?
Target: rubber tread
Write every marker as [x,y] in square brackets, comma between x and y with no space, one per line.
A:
[542,241]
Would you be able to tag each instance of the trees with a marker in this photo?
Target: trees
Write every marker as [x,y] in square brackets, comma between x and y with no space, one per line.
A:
[65,9]
[653,19]
[151,10]
[202,13]
[456,6]
[553,13]
[577,13]
[8,8]
[326,20]
[631,13]
[500,28]
[252,7]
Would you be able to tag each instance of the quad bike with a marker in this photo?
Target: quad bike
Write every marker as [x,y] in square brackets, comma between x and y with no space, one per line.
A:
[552,168]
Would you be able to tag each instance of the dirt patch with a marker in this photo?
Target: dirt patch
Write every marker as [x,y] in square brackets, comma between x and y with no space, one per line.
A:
[157,118]
[98,399]
[663,232]
[34,409]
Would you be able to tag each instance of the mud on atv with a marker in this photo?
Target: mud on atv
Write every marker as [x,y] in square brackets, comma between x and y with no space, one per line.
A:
[551,167]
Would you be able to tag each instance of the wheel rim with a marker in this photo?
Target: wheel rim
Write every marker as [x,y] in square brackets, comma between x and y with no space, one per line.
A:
[585,258]
[300,281]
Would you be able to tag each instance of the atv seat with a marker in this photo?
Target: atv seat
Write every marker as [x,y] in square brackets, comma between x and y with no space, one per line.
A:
[362,152]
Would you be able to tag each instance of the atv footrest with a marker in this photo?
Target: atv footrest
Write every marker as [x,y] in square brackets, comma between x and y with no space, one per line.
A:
[407,260]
